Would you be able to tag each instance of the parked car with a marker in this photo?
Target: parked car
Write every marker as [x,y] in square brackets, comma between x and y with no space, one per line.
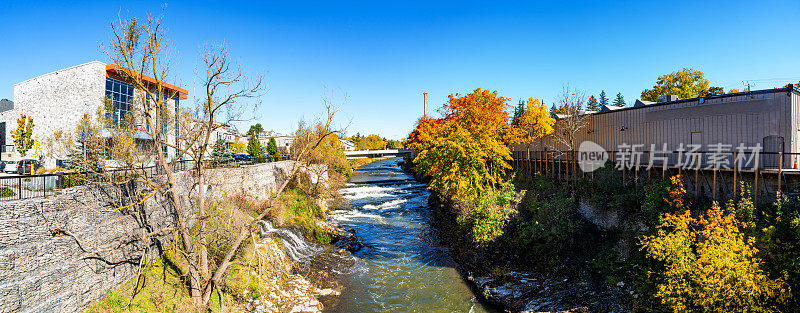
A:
[21,167]
[3,164]
[241,157]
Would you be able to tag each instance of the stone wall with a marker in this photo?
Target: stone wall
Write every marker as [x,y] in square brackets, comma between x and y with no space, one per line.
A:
[47,246]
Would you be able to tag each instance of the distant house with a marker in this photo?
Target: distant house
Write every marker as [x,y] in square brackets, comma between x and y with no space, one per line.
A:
[348,145]
[284,142]
[228,134]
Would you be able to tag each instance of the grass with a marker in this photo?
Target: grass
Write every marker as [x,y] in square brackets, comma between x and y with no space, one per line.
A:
[162,289]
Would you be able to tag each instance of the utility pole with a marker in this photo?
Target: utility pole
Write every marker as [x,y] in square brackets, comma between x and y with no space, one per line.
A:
[425,96]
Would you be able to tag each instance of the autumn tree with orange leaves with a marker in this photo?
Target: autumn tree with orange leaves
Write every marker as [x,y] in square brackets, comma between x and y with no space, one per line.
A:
[466,154]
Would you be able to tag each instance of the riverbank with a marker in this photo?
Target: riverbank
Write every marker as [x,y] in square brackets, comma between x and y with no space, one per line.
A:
[501,275]
[288,268]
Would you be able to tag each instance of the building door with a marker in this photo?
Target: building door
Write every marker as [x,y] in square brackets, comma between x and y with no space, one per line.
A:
[772,145]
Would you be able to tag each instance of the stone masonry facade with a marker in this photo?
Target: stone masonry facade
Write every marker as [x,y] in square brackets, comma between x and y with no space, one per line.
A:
[57,100]
[62,253]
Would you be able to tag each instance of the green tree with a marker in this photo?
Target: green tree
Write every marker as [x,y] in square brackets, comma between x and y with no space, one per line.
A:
[255,130]
[272,149]
[603,98]
[687,83]
[394,144]
[592,104]
[519,110]
[619,100]
[23,135]
[255,150]
[221,152]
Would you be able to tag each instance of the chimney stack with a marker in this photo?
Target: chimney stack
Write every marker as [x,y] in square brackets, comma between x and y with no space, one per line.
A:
[425,94]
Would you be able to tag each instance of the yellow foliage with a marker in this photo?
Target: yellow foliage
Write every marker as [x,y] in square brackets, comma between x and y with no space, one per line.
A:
[686,83]
[463,164]
[710,265]
[239,146]
[38,147]
[536,122]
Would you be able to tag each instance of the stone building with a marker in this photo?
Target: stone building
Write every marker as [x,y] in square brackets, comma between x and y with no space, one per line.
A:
[58,100]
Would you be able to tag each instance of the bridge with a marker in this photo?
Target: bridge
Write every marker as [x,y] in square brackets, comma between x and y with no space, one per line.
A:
[362,154]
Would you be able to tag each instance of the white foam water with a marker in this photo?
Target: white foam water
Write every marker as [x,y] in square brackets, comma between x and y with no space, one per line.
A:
[297,248]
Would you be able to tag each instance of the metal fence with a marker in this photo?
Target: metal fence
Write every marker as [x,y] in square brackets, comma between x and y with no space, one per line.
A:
[17,187]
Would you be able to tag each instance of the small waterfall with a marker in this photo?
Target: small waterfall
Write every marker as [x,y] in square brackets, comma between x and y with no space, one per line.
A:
[296,246]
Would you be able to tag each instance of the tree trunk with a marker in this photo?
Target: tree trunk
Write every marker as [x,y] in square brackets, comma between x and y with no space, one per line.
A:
[201,211]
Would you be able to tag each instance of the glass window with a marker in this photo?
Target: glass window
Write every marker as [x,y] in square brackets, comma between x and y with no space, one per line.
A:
[120,93]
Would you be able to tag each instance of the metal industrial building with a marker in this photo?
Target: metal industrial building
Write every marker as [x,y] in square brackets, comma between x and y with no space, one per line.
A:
[769,118]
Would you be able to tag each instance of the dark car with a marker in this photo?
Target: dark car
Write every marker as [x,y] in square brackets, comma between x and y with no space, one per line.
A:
[241,157]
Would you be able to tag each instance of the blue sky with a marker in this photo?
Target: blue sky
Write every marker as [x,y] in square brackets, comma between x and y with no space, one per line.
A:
[383,55]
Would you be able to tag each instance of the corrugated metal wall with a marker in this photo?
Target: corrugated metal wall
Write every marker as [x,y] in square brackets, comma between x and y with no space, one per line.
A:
[734,120]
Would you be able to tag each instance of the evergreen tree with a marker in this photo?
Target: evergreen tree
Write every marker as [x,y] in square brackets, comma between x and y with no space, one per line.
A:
[592,104]
[619,101]
[221,153]
[255,150]
[255,129]
[603,98]
[272,149]
[518,112]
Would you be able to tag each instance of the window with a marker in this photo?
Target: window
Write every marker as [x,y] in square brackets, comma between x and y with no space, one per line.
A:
[121,94]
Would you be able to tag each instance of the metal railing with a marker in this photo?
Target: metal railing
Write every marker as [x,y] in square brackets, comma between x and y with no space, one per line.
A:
[29,186]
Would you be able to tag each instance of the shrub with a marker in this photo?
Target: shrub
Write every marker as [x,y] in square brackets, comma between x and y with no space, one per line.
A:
[6,192]
[300,211]
[663,197]
[549,223]
[73,178]
[486,218]
[710,265]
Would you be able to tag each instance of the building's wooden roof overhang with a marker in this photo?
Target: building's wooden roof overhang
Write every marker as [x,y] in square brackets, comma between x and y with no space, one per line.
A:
[114,71]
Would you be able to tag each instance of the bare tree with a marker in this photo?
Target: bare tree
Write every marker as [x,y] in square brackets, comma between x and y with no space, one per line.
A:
[140,52]
[225,85]
[570,119]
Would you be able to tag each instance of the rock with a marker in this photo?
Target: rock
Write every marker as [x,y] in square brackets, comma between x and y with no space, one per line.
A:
[621,284]
[347,240]
[328,292]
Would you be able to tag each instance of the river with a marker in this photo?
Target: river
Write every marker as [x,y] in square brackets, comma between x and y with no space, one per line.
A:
[402,267]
